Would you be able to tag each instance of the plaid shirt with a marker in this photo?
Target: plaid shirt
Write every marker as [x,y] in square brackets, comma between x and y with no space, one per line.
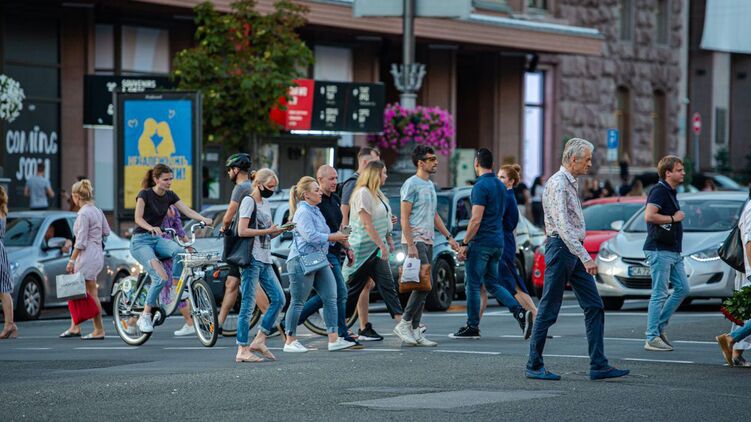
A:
[563,212]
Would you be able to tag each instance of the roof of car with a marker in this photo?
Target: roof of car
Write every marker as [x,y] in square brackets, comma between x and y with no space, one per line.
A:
[616,199]
[718,195]
[42,214]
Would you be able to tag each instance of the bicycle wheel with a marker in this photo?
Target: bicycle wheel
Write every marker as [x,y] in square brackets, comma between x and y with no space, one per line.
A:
[204,313]
[316,324]
[130,334]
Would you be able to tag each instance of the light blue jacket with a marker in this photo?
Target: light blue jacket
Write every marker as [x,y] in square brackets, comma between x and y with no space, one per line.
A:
[311,233]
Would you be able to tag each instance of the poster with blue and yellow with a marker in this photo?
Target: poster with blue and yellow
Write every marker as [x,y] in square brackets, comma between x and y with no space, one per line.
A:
[158,131]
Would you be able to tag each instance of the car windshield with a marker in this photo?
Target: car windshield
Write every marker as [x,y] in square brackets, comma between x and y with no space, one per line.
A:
[726,182]
[701,216]
[601,216]
[21,231]
[395,203]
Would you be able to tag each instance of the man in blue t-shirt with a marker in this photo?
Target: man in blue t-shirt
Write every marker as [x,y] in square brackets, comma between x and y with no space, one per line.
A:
[482,247]
[663,251]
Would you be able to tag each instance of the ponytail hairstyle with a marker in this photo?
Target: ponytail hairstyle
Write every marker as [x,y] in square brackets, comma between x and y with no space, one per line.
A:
[154,173]
[297,193]
[262,176]
[513,171]
[84,190]
[371,177]
[3,202]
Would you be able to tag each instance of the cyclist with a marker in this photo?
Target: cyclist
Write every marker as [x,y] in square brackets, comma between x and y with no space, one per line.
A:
[147,245]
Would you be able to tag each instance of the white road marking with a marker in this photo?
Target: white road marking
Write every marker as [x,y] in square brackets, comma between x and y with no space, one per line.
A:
[379,350]
[641,340]
[33,348]
[567,356]
[108,348]
[658,360]
[469,352]
[194,348]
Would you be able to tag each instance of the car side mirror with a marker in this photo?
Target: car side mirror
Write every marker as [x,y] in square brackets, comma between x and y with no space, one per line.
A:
[617,225]
[55,243]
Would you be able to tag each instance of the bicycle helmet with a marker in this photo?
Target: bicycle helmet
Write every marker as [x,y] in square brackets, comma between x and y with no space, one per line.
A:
[240,160]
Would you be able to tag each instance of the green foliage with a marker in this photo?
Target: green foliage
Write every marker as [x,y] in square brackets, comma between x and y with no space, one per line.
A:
[722,161]
[243,63]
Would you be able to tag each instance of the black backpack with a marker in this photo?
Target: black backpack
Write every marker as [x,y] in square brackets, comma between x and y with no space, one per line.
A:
[340,185]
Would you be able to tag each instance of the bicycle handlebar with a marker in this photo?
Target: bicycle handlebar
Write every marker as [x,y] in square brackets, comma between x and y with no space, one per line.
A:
[193,229]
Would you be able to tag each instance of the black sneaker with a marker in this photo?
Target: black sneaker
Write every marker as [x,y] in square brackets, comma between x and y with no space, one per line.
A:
[368,334]
[357,345]
[524,318]
[466,333]
[219,330]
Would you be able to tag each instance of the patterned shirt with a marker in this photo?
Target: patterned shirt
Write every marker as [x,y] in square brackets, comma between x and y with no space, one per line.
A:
[563,212]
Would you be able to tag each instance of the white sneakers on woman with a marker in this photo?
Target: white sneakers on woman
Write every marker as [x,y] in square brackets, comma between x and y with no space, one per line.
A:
[295,347]
[340,344]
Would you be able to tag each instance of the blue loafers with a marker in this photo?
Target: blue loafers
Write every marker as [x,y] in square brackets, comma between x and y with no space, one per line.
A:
[608,373]
[542,374]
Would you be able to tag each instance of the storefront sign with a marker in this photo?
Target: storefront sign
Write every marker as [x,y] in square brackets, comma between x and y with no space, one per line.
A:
[365,103]
[300,106]
[329,111]
[98,108]
[154,128]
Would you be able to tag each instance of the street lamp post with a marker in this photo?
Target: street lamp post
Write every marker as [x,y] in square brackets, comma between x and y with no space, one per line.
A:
[408,76]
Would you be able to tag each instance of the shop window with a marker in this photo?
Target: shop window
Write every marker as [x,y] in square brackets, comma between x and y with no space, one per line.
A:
[104,48]
[534,126]
[720,125]
[662,25]
[537,4]
[659,141]
[144,50]
[623,120]
[626,19]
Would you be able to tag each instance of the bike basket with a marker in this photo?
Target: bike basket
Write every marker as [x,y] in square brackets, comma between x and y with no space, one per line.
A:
[198,259]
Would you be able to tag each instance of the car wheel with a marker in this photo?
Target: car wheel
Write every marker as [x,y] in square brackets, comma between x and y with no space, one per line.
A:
[444,286]
[30,299]
[612,303]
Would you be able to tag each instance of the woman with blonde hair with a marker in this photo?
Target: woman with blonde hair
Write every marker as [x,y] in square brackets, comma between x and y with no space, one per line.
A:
[311,237]
[255,220]
[370,218]
[6,283]
[90,229]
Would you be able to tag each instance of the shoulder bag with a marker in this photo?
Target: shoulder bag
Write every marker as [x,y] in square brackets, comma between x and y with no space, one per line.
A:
[311,262]
[238,250]
[731,250]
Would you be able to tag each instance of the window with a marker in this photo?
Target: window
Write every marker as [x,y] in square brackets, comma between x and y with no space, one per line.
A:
[623,120]
[537,4]
[144,50]
[626,14]
[104,48]
[534,125]
[662,24]
[659,141]
[720,125]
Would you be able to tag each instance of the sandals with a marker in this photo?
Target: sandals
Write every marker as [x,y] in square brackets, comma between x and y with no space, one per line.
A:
[92,337]
[263,350]
[69,334]
[250,357]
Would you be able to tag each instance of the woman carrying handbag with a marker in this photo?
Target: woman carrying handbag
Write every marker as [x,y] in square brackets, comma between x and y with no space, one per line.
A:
[90,229]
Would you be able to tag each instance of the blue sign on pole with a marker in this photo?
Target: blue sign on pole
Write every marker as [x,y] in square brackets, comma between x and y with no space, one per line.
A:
[612,138]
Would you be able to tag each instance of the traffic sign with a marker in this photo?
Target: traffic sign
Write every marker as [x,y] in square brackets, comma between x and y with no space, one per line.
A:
[612,154]
[696,123]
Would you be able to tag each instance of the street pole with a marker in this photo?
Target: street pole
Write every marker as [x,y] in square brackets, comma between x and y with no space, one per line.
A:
[408,76]
[696,153]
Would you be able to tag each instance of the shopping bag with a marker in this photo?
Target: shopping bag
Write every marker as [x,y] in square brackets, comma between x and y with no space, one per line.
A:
[70,286]
[83,309]
[411,270]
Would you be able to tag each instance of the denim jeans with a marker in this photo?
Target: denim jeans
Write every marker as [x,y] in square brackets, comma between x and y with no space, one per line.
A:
[315,303]
[562,266]
[482,268]
[741,332]
[146,247]
[258,271]
[323,282]
[665,266]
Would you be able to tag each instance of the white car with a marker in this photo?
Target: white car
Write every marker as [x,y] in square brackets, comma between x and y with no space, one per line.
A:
[622,269]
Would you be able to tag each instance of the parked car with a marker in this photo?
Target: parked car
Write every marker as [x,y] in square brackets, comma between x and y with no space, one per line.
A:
[603,218]
[622,269]
[34,240]
[649,179]
[721,182]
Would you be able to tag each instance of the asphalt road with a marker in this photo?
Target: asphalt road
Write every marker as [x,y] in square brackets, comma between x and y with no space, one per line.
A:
[45,378]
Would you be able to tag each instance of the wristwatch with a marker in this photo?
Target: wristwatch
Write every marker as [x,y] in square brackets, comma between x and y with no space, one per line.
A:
[464,244]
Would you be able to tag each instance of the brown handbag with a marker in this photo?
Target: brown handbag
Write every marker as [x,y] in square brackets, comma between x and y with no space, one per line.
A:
[423,286]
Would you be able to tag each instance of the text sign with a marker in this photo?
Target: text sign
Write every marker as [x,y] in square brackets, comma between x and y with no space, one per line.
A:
[328,106]
[696,123]
[97,107]
[364,105]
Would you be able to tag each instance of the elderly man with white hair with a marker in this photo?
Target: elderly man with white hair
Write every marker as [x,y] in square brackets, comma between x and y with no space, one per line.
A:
[568,262]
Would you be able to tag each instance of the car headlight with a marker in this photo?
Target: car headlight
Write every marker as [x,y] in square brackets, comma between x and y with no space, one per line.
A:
[707,255]
[607,255]
[400,256]
[14,266]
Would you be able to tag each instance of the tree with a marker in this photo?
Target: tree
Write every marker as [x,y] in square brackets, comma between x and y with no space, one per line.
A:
[243,63]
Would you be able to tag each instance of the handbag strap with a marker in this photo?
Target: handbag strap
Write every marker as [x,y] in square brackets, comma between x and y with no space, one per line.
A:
[253,221]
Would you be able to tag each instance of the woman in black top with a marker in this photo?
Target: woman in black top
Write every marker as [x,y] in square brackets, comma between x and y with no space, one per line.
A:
[147,245]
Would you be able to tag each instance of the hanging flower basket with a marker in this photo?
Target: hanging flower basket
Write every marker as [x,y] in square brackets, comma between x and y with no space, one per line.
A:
[430,126]
[737,308]
[11,99]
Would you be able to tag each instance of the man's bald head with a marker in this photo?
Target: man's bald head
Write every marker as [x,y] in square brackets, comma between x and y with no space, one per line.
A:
[327,179]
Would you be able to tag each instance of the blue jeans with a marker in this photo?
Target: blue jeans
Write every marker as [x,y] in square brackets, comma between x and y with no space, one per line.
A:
[299,288]
[145,248]
[665,266]
[482,268]
[562,266]
[258,271]
[742,332]
[315,303]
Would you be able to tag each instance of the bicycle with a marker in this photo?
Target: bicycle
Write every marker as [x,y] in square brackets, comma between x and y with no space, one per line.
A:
[130,297]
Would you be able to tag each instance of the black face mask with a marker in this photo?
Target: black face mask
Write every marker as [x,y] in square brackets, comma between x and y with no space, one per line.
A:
[266,193]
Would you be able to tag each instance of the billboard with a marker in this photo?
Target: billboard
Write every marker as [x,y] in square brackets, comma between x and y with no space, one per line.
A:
[153,128]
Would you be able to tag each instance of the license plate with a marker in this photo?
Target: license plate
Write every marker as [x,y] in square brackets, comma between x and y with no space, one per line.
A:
[639,272]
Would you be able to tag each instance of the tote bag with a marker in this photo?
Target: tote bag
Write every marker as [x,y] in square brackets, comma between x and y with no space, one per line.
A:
[238,250]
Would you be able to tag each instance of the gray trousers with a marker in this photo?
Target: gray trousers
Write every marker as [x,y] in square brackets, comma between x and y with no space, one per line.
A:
[416,302]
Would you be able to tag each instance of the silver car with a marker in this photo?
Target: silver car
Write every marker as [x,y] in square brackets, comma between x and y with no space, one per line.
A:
[622,269]
[34,241]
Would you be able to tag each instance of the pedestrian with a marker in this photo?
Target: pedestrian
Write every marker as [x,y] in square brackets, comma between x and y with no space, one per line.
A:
[371,241]
[735,343]
[330,207]
[538,186]
[569,262]
[10,330]
[364,156]
[482,247]
[311,238]
[174,222]
[256,221]
[524,200]
[709,185]
[637,188]
[662,248]
[419,220]
[38,190]
[147,245]
[90,230]
[510,175]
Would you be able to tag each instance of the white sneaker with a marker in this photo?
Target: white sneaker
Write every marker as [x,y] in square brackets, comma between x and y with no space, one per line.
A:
[340,344]
[187,330]
[403,330]
[295,347]
[144,323]
[422,341]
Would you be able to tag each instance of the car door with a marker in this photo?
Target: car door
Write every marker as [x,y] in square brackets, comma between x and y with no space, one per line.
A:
[53,261]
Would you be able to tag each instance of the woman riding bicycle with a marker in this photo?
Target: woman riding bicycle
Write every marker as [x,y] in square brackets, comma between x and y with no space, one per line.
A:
[147,245]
